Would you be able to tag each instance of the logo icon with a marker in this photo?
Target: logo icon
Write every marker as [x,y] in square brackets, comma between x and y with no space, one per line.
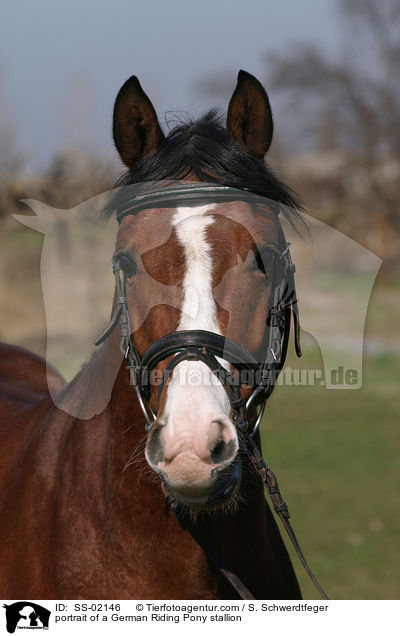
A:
[26,615]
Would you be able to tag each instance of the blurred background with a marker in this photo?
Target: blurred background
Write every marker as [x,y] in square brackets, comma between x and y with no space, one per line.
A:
[331,71]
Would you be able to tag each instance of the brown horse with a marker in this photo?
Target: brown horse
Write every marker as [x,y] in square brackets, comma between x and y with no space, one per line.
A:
[82,514]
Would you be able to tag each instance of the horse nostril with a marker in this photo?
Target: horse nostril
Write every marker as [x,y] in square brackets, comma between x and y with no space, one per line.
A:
[155,448]
[222,451]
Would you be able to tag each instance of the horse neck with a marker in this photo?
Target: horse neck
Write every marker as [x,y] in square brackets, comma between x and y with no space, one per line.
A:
[126,421]
[101,397]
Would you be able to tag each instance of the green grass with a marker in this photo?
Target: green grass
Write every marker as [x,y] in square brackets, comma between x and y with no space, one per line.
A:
[336,454]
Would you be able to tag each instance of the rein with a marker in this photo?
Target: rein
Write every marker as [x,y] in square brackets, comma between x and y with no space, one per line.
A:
[207,347]
[280,506]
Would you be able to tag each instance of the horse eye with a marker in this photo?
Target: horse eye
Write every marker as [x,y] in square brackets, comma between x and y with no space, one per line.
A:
[263,262]
[127,264]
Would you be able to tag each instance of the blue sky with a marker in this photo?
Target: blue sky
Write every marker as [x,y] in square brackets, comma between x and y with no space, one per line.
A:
[62,63]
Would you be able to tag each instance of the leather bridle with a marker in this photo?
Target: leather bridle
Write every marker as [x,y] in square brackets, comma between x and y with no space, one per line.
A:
[210,348]
[205,346]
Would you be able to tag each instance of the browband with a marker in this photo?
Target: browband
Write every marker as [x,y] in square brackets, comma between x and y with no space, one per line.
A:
[183,194]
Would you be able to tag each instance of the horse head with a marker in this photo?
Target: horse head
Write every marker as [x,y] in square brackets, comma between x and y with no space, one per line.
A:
[222,253]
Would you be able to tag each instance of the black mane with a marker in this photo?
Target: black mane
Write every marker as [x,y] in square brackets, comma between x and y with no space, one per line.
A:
[204,148]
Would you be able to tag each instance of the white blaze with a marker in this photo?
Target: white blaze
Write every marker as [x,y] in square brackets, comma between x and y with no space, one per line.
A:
[198,308]
[194,394]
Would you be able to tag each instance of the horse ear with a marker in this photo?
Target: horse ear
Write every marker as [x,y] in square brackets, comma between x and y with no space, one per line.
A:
[249,119]
[136,130]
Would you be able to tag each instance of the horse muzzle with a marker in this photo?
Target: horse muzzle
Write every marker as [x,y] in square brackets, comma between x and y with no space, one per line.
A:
[199,476]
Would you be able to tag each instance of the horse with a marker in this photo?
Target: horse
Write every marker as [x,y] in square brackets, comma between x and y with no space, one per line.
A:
[88,499]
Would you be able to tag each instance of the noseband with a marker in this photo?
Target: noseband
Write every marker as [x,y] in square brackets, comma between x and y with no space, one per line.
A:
[205,346]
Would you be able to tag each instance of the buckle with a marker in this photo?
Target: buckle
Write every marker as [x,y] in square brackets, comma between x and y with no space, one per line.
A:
[276,318]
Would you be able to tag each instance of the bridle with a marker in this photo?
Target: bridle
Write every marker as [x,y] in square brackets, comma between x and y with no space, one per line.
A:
[205,346]
[210,348]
